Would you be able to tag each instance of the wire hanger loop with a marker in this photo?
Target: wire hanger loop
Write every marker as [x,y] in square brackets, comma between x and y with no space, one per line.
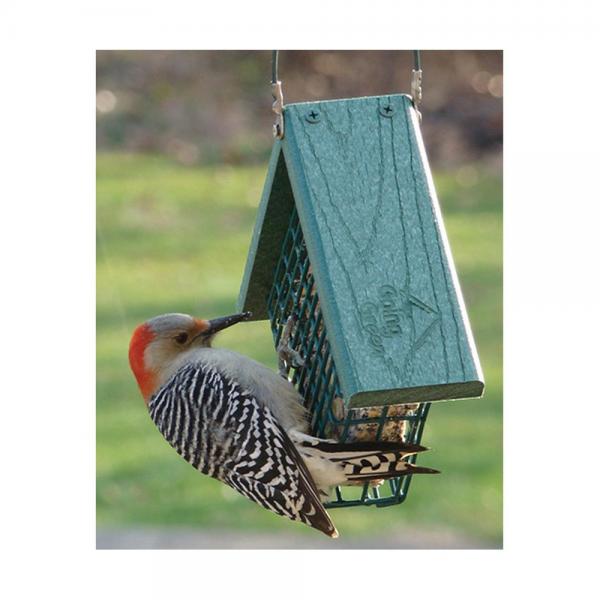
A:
[416,90]
[277,93]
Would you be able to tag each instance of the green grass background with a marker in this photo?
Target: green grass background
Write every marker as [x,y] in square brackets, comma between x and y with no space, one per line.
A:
[174,238]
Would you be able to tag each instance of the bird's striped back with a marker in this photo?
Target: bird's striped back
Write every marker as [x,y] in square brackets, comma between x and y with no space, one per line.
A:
[225,432]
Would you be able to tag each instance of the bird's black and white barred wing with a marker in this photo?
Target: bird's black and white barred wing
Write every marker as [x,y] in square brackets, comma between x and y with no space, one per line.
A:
[225,432]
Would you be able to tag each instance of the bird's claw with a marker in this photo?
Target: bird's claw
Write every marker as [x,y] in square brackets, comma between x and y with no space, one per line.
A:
[288,357]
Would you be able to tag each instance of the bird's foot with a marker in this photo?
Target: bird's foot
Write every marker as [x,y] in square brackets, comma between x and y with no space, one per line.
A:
[287,356]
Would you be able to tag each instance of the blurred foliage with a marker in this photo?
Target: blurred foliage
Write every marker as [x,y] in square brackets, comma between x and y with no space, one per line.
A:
[175,238]
[202,107]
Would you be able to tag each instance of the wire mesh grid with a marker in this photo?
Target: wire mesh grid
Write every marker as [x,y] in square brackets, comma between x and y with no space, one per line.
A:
[294,293]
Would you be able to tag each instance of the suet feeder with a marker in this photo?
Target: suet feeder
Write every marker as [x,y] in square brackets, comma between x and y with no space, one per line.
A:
[349,240]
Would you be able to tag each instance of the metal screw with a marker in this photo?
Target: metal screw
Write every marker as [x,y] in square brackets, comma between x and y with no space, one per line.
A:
[386,111]
[313,116]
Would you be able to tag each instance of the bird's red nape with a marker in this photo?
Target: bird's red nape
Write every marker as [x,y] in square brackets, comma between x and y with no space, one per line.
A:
[140,339]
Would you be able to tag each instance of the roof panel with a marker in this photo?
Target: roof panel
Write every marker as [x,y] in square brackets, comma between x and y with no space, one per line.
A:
[389,294]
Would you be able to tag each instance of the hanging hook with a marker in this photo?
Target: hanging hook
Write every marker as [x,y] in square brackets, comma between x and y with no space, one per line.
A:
[277,93]
[416,84]
[416,88]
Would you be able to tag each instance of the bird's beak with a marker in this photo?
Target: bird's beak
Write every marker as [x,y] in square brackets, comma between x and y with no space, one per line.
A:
[215,325]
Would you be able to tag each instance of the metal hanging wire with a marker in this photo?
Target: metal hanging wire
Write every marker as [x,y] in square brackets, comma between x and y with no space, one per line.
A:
[416,90]
[274,66]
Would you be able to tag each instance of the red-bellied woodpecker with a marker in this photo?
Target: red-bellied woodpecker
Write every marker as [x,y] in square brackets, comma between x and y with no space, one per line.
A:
[236,420]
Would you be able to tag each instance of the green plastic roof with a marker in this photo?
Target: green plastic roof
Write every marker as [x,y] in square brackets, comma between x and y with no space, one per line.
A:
[358,175]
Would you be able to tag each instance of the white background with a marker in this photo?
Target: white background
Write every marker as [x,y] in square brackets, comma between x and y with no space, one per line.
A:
[552,362]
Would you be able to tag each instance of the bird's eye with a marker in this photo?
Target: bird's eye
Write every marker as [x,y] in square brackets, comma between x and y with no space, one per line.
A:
[182,338]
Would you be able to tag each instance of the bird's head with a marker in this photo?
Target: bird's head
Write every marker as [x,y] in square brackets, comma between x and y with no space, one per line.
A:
[158,344]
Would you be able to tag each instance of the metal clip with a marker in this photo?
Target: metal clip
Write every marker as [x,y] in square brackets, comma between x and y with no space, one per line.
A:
[416,89]
[277,94]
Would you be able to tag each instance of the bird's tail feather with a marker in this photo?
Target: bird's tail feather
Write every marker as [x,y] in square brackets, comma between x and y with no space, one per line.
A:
[341,451]
[359,473]
[337,463]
